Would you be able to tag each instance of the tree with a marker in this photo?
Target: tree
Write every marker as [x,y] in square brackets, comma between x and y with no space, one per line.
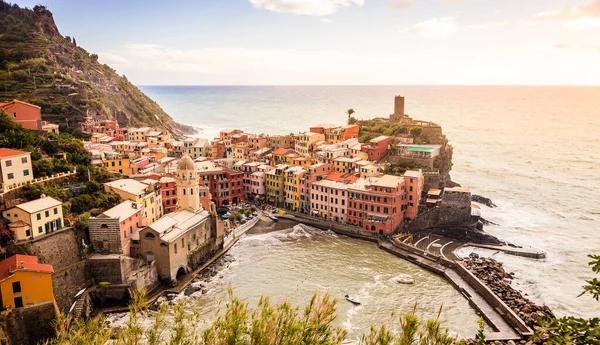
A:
[352,120]
[350,112]
[415,131]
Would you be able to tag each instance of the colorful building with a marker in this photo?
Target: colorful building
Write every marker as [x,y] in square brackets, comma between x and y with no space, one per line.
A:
[25,282]
[306,142]
[148,195]
[275,182]
[378,205]
[414,188]
[35,218]
[329,200]
[112,230]
[378,148]
[27,115]
[292,187]
[15,167]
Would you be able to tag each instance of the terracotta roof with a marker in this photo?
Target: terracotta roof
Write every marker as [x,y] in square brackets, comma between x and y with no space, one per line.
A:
[10,152]
[22,263]
[341,177]
[280,151]
[3,105]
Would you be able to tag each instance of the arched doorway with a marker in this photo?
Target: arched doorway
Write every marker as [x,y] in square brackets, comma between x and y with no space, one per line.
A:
[180,272]
[149,257]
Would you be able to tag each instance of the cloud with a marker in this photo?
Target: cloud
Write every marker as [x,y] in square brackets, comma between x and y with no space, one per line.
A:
[400,4]
[326,21]
[434,28]
[316,8]
[487,25]
[112,59]
[590,9]
[562,46]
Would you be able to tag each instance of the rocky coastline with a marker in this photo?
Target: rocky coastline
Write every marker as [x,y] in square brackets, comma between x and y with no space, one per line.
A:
[492,273]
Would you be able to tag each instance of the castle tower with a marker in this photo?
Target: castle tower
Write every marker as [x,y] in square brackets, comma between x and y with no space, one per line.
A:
[188,190]
[399,105]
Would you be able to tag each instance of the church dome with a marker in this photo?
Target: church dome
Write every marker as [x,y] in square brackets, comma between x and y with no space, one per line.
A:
[185,163]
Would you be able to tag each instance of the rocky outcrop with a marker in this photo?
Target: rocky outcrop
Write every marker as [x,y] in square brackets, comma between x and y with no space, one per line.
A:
[464,234]
[483,200]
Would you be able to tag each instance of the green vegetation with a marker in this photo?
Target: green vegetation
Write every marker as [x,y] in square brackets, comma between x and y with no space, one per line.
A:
[574,330]
[416,131]
[237,324]
[401,166]
[40,66]
[371,129]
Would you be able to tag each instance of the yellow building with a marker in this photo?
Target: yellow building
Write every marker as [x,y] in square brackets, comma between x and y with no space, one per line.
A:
[118,164]
[293,176]
[305,142]
[146,194]
[275,182]
[15,167]
[35,218]
[25,282]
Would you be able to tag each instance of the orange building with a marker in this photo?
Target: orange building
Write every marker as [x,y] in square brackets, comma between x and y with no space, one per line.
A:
[25,282]
[27,115]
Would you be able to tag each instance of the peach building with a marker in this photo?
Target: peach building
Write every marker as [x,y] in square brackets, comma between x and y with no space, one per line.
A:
[35,218]
[414,187]
[27,115]
[112,230]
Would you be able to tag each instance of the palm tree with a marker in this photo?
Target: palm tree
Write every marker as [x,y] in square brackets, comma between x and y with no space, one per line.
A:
[350,112]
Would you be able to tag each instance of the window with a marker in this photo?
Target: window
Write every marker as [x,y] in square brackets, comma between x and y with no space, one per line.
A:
[18,302]
[175,248]
[40,229]
[27,232]
[9,163]
[10,176]
[38,216]
[16,286]
[26,172]
[47,213]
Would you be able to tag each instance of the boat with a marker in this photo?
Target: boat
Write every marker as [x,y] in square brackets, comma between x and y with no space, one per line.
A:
[352,300]
[406,280]
[79,293]
[273,218]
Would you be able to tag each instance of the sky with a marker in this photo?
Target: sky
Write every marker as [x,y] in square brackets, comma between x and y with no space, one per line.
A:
[339,42]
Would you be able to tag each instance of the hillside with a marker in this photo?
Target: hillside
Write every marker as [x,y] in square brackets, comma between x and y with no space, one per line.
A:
[40,66]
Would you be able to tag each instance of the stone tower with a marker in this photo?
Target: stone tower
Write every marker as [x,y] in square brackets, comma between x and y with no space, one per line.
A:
[188,190]
[398,114]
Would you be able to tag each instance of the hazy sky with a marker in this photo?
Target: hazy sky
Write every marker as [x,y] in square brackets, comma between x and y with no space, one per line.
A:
[397,42]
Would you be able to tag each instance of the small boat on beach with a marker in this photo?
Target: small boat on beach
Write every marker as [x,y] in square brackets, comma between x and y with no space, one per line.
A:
[352,300]
[406,280]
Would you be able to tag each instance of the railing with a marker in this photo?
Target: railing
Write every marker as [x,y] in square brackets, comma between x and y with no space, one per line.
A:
[5,188]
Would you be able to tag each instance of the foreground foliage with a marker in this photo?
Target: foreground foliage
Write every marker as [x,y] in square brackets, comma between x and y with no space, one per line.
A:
[237,324]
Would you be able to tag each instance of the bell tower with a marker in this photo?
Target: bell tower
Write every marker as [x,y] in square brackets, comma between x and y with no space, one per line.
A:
[188,190]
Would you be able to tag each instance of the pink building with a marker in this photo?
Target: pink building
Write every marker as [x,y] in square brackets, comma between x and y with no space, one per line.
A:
[329,199]
[112,230]
[168,189]
[414,182]
[255,186]
[315,172]
[139,164]
[121,134]
[377,148]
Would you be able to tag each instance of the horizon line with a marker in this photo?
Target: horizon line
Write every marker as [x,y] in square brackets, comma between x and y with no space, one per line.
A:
[401,85]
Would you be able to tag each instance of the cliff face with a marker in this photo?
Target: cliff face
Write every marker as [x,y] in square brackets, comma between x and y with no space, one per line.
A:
[40,66]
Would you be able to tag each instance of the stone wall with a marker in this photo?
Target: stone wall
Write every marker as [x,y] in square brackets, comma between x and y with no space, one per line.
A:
[31,325]
[203,254]
[455,209]
[106,269]
[105,234]
[67,281]
[59,249]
